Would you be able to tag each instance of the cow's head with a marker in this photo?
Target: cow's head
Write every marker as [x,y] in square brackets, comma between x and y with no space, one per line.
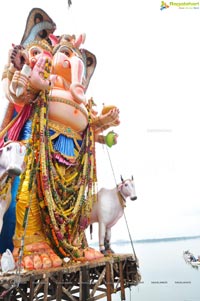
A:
[12,158]
[127,188]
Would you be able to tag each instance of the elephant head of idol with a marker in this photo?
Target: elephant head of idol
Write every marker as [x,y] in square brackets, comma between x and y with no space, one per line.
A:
[72,64]
[35,40]
[22,58]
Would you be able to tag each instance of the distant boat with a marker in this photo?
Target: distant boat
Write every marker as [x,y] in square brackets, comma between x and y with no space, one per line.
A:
[191,259]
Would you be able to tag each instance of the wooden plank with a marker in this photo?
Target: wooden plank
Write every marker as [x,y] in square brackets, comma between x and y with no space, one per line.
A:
[46,286]
[38,288]
[85,284]
[68,294]
[88,281]
[59,286]
[22,294]
[100,296]
[101,277]
[108,282]
[31,293]
[81,287]
[112,276]
[123,297]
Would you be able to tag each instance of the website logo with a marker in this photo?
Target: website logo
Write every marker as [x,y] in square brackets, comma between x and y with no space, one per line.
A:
[180,5]
[163,5]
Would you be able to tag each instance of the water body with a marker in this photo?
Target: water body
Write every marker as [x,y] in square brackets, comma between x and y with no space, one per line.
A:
[165,274]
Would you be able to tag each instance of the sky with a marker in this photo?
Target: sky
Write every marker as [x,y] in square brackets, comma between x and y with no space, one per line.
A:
[148,66]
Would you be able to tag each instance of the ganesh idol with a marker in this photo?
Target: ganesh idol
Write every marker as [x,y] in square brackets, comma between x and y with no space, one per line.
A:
[45,83]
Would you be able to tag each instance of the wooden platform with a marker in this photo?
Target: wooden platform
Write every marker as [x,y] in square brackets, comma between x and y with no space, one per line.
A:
[86,281]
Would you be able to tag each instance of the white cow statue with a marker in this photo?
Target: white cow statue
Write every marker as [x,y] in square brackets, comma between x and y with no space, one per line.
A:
[11,164]
[12,158]
[109,208]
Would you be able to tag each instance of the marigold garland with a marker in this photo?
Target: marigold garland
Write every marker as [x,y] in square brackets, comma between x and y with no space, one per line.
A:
[64,198]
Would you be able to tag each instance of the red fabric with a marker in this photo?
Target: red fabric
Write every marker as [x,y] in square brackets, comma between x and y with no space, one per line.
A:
[15,129]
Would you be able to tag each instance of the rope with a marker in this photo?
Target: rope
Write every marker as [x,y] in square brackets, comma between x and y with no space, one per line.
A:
[130,236]
[131,240]
[111,166]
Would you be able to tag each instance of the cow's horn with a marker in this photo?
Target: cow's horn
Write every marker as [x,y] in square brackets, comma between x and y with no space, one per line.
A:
[5,139]
[132,178]
[122,179]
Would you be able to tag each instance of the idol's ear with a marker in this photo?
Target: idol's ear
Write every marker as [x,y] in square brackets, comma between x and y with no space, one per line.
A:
[90,63]
[38,26]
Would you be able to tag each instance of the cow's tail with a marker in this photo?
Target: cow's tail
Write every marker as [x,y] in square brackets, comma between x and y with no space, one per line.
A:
[91,231]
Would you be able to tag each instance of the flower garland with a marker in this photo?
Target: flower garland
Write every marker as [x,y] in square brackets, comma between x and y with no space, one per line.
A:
[65,199]
[5,188]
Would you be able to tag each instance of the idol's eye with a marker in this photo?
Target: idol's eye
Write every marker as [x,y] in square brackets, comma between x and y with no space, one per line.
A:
[65,50]
[35,51]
